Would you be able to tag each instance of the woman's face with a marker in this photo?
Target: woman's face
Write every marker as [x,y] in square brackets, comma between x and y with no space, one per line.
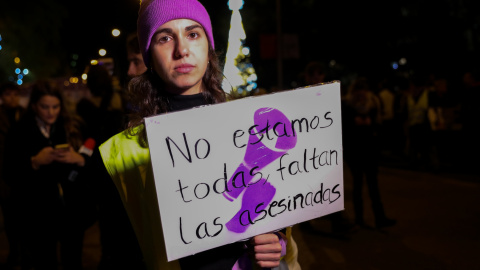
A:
[47,109]
[179,50]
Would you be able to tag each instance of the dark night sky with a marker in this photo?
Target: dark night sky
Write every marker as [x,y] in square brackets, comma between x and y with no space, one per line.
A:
[361,35]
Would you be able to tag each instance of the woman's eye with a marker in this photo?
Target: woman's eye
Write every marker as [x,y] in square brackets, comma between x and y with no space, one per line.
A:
[164,39]
[193,35]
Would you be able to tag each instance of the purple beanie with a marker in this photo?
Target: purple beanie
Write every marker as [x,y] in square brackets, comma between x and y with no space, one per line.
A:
[154,13]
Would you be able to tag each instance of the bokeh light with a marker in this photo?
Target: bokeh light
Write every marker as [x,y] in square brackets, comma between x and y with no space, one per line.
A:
[115,32]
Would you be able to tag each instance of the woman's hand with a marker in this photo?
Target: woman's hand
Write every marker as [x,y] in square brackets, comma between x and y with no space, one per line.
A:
[267,250]
[44,157]
[69,156]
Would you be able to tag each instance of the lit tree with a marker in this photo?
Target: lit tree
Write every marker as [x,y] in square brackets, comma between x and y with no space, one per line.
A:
[240,77]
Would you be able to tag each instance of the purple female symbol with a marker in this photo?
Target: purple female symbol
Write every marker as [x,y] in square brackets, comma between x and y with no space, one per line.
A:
[257,156]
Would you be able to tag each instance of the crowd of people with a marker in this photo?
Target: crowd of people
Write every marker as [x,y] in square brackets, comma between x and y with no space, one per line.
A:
[421,118]
[54,184]
[416,120]
[50,193]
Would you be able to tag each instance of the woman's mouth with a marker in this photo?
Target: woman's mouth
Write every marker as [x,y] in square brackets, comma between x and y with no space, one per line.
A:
[184,68]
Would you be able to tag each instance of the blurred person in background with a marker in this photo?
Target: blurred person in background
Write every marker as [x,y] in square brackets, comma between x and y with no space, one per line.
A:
[441,102]
[387,130]
[10,114]
[361,117]
[44,162]
[102,110]
[418,129]
[119,246]
[469,113]
[136,66]
[313,74]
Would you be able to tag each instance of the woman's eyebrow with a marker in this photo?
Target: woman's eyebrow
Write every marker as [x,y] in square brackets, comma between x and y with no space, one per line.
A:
[170,31]
[191,27]
[163,30]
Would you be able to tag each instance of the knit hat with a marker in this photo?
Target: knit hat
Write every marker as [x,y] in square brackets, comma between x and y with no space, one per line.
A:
[154,13]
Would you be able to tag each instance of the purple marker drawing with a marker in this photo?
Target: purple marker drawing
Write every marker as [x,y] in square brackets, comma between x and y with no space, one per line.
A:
[253,196]
[258,156]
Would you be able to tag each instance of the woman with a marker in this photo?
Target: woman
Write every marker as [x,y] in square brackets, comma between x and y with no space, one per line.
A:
[43,167]
[183,72]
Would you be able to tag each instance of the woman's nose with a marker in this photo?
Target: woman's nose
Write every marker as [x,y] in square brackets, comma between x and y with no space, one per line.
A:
[131,70]
[181,48]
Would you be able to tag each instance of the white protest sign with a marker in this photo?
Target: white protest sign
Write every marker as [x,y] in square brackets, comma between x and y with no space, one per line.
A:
[230,171]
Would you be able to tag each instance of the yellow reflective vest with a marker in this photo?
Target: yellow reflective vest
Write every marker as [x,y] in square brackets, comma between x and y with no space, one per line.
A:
[128,163]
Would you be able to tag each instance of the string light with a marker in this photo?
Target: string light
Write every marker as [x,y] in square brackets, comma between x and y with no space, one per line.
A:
[20,74]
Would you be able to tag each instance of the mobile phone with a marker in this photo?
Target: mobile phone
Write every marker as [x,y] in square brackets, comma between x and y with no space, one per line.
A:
[63,146]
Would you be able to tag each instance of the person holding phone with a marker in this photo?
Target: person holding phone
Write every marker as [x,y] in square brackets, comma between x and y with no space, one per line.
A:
[42,167]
